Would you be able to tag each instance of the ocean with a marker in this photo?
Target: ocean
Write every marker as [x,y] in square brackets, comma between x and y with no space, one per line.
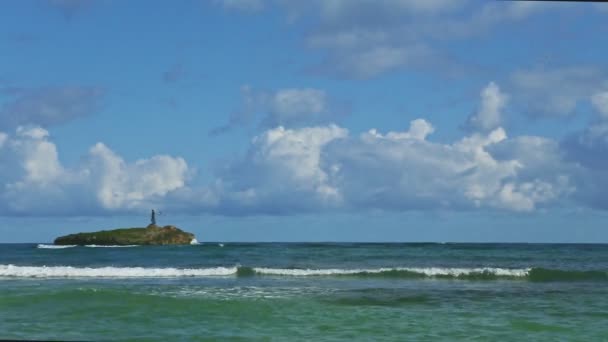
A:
[305,292]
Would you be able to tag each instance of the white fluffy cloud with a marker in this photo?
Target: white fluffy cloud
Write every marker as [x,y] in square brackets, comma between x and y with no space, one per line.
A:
[120,184]
[281,173]
[325,168]
[318,168]
[489,114]
[34,181]
[410,172]
[307,169]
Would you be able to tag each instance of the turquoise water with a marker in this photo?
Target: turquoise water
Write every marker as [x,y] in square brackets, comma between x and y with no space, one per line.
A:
[275,291]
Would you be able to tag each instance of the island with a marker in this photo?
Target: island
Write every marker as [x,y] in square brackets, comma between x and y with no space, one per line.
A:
[150,235]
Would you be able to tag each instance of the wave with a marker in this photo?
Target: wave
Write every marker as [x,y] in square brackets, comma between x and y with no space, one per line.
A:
[485,273]
[110,272]
[473,274]
[400,272]
[43,246]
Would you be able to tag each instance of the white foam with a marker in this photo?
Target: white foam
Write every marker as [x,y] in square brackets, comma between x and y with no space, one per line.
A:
[110,272]
[54,246]
[110,246]
[141,272]
[429,272]
[220,244]
[194,242]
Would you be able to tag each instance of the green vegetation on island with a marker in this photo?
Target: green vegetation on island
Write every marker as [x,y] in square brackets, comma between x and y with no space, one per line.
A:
[150,235]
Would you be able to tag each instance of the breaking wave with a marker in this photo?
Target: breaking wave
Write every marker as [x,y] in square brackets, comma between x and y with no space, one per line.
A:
[401,272]
[43,246]
[110,272]
[488,273]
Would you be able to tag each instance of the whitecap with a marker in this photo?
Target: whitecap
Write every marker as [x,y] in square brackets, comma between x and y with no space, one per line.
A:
[427,271]
[43,246]
[110,272]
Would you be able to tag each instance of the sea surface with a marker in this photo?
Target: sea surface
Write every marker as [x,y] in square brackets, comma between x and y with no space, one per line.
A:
[305,292]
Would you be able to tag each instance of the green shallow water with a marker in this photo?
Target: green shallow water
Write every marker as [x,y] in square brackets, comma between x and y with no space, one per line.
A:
[566,300]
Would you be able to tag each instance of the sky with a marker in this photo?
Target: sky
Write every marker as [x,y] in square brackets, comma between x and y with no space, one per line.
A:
[320,120]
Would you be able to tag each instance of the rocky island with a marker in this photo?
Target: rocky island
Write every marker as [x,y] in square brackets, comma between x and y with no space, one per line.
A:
[150,235]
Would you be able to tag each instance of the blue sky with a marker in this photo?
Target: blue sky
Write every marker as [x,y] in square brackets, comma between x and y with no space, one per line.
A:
[277,120]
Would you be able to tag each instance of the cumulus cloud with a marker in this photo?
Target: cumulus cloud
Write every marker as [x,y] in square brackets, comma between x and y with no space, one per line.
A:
[411,172]
[309,169]
[121,185]
[39,156]
[287,170]
[325,168]
[34,181]
[283,107]
[281,173]
[48,106]
[489,114]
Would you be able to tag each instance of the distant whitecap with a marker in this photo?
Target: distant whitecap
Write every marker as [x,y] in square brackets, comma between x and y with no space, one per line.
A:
[43,246]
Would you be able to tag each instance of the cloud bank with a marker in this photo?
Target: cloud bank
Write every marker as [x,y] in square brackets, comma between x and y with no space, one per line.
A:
[321,167]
